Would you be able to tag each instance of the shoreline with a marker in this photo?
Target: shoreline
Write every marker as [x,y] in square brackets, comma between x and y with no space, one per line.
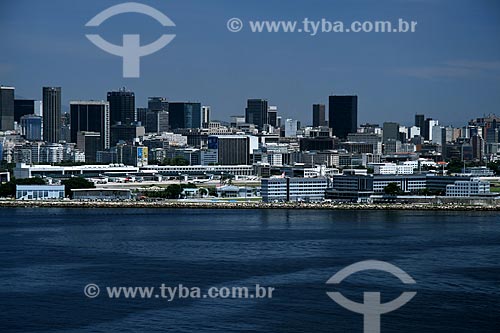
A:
[244,205]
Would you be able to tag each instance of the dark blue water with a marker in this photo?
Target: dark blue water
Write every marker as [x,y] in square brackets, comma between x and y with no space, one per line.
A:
[49,255]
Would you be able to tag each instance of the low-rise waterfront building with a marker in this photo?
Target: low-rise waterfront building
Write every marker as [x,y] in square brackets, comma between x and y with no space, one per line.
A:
[293,189]
[39,192]
[106,194]
[467,188]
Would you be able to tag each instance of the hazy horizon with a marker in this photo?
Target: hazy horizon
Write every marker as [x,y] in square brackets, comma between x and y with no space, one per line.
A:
[449,69]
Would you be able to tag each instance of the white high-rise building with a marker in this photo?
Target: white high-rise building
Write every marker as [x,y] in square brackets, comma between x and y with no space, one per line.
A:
[413,131]
[432,123]
[205,116]
[291,128]
[435,134]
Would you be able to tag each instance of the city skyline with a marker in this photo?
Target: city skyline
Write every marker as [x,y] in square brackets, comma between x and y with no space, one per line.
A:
[446,69]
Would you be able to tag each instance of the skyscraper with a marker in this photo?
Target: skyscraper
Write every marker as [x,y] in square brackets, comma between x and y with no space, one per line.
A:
[23,107]
[6,108]
[90,144]
[205,116]
[272,115]
[51,114]
[420,122]
[343,115]
[256,112]
[141,115]
[184,115]
[318,115]
[91,116]
[291,126]
[121,106]
[391,132]
[157,104]
[156,121]
[31,127]
[428,125]
[231,149]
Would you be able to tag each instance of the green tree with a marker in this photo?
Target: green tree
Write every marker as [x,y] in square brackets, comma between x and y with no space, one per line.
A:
[173,191]
[392,189]
[165,161]
[179,161]
[495,166]
[76,183]
[212,192]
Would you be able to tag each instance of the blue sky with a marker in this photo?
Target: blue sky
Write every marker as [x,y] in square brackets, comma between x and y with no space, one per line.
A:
[449,69]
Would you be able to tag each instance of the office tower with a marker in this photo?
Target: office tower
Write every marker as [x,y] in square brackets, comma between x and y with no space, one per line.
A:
[91,116]
[370,138]
[343,115]
[414,131]
[477,143]
[121,106]
[39,108]
[65,134]
[141,114]
[156,121]
[23,107]
[231,149]
[256,112]
[6,108]
[31,127]
[237,120]
[125,132]
[391,132]
[185,115]
[51,114]
[447,134]
[428,125]
[205,116]
[291,128]
[272,116]
[90,144]
[157,104]
[318,115]
[420,122]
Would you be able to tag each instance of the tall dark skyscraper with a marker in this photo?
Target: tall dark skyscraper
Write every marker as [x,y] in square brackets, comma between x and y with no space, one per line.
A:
[51,114]
[6,108]
[157,104]
[184,115]
[121,106]
[343,115]
[231,149]
[318,115]
[420,122]
[256,112]
[90,116]
[272,116]
[23,107]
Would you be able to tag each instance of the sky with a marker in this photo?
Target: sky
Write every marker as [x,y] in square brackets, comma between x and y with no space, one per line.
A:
[449,69]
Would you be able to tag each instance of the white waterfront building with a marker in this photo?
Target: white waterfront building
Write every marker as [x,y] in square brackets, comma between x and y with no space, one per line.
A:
[39,192]
[293,189]
[466,188]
